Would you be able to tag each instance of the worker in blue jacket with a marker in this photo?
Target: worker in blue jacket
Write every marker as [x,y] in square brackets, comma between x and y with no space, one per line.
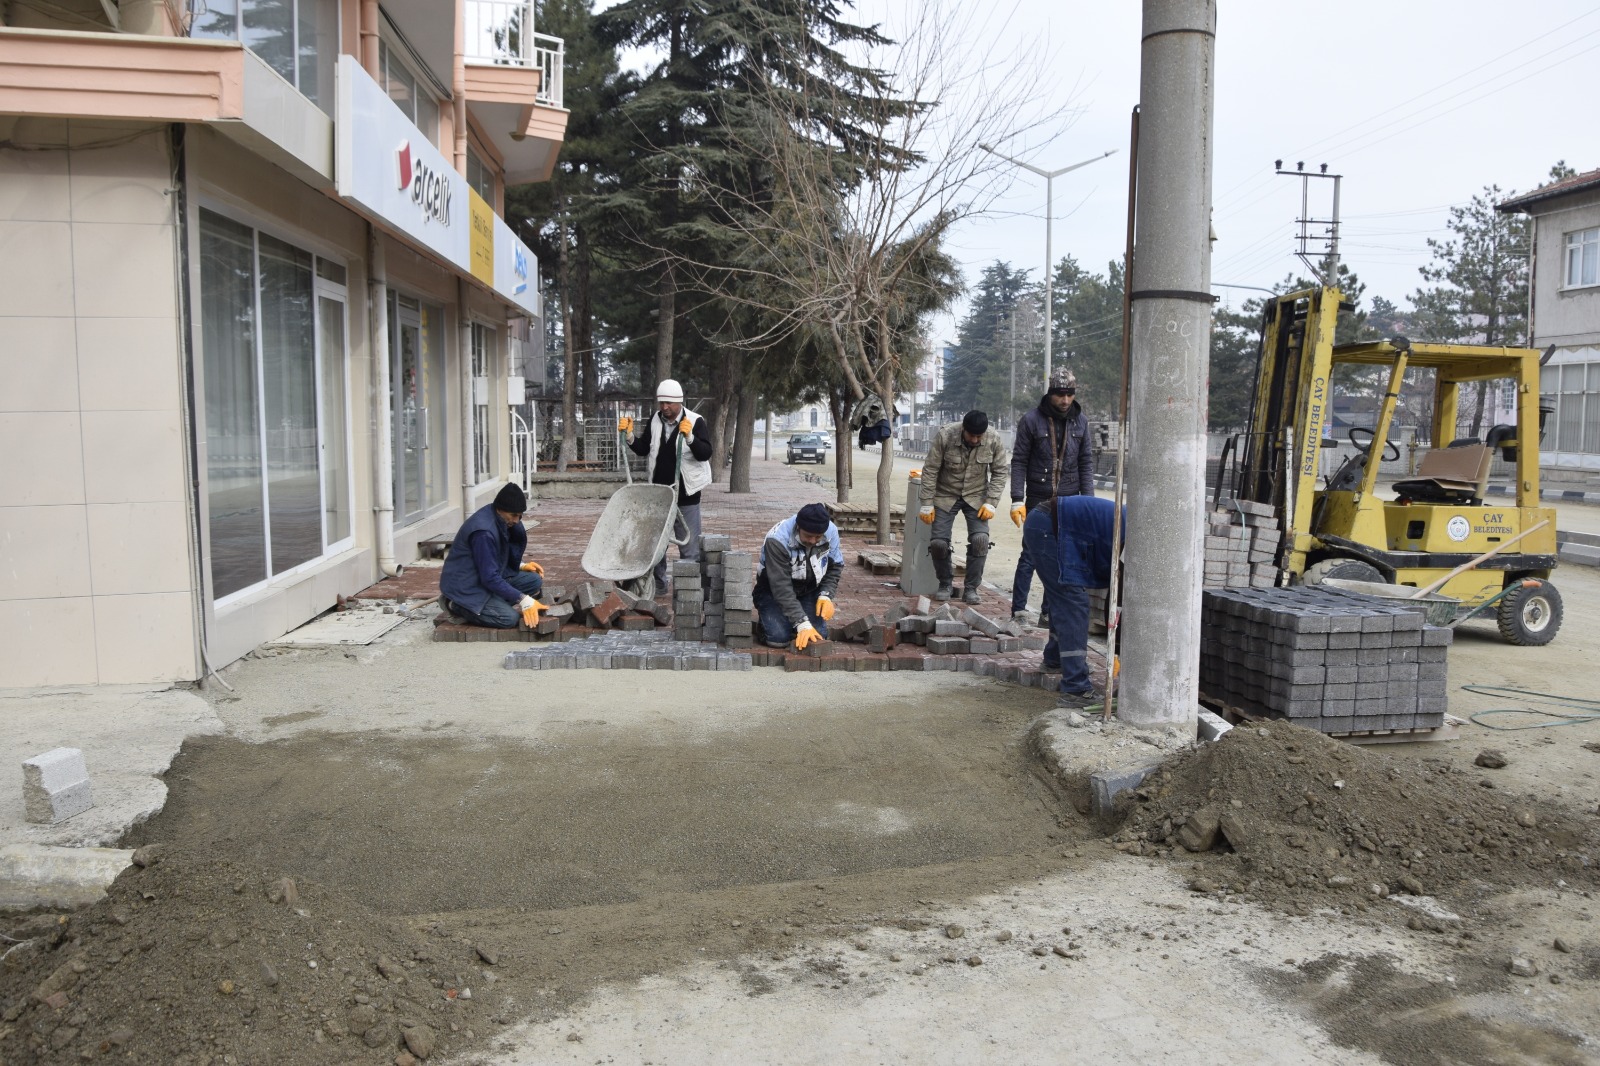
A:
[1070,545]
[484,579]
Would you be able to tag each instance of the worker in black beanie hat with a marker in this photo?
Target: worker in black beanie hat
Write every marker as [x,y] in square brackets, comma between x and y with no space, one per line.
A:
[485,579]
[801,564]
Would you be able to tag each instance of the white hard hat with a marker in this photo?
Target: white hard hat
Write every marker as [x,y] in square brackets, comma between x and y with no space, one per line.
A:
[669,391]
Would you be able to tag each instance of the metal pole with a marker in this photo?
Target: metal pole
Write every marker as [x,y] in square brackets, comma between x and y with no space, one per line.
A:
[1049,275]
[1049,177]
[1171,333]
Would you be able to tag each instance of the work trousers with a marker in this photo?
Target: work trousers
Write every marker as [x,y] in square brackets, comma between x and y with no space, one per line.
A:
[1022,580]
[944,521]
[687,525]
[497,613]
[776,628]
[1068,646]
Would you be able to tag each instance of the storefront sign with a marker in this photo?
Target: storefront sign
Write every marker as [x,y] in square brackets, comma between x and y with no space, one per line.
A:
[384,163]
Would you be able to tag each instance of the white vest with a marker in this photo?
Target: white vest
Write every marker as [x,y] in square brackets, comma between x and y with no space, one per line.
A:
[694,473]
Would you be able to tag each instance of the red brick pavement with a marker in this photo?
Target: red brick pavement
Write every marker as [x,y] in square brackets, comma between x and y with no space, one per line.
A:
[563,527]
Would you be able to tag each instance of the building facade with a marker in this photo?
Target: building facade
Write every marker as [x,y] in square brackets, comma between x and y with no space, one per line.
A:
[256,306]
[1565,311]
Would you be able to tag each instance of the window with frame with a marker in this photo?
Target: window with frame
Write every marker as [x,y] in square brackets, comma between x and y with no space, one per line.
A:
[409,90]
[480,177]
[273,329]
[297,38]
[1583,257]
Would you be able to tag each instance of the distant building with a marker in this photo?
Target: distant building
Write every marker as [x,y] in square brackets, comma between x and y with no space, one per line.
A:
[1565,312]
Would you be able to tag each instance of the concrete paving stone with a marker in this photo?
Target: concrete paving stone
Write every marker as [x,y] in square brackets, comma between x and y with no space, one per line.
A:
[820,649]
[1344,641]
[983,645]
[946,627]
[872,664]
[715,542]
[894,614]
[921,605]
[1106,785]
[1436,636]
[1034,641]
[737,629]
[795,662]
[1009,644]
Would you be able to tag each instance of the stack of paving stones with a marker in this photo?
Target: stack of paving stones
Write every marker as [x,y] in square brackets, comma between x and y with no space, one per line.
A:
[1242,539]
[621,650]
[712,598]
[590,606]
[1325,658]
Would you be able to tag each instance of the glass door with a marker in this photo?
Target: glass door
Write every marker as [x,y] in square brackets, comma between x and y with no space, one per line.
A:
[335,422]
[410,407]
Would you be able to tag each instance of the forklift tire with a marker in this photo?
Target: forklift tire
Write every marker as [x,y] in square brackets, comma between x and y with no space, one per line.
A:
[1342,569]
[1530,617]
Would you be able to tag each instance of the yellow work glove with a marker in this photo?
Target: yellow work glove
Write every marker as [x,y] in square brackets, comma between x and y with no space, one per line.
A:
[916,474]
[926,514]
[824,608]
[530,609]
[1018,513]
[985,513]
[806,635]
[686,427]
[533,567]
[625,424]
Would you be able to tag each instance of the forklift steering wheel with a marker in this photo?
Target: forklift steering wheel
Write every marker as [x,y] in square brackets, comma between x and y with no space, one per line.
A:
[1388,445]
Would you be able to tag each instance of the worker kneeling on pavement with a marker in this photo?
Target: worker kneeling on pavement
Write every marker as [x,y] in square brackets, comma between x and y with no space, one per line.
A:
[801,564]
[1070,545]
[484,579]
[965,472]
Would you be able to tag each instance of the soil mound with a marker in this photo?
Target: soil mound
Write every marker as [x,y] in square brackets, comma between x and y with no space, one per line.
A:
[1295,817]
[197,961]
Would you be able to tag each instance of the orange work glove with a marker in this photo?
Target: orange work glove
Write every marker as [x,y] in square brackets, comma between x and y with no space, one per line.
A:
[625,424]
[985,513]
[1018,513]
[916,474]
[532,567]
[530,609]
[926,514]
[686,427]
[805,636]
[824,608]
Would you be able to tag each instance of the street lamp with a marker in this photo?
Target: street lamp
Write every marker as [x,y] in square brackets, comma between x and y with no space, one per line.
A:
[1049,177]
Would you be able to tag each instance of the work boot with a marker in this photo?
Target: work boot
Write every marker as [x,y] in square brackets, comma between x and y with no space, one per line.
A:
[1022,618]
[1079,701]
[969,594]
[946,590]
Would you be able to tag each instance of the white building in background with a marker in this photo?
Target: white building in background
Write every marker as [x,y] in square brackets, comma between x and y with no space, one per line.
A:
[1565,312]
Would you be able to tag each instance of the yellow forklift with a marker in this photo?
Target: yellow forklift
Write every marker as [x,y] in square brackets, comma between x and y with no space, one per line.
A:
[1426,525]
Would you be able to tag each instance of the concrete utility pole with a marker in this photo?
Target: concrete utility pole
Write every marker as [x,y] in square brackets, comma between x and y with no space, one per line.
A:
[1171,344]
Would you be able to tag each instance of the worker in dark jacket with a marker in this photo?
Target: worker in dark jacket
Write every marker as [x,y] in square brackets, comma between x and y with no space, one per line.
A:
[1051,456]
[1070,543]
[801,564]
[676,443]
[484,579]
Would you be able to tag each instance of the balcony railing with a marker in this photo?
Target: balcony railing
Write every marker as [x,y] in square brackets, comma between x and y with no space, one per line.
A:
[500,33]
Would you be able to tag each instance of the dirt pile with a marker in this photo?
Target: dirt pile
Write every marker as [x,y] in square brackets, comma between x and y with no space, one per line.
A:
[198,961]
[1292,816]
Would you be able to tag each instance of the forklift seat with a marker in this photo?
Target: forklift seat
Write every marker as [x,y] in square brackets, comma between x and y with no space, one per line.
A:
[1457,474]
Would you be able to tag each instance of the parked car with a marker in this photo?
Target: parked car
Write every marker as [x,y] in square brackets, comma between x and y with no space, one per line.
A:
[808,448]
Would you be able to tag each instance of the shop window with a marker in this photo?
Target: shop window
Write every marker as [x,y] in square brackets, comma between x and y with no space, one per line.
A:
[416,338]
[297,38]
[277,468]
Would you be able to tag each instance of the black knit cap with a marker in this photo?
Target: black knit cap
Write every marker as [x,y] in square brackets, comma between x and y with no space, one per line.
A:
[511,498]
[813,518]
[976,423]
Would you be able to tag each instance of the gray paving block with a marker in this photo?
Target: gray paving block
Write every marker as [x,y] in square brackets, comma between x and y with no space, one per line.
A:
[1106,785]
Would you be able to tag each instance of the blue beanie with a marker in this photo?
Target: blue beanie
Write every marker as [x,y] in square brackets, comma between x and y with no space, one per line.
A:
[813,518]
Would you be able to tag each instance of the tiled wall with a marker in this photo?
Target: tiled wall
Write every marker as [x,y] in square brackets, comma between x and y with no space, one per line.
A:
[95,545]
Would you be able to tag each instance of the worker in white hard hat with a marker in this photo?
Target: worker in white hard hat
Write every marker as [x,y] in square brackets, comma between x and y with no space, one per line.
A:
[677,445]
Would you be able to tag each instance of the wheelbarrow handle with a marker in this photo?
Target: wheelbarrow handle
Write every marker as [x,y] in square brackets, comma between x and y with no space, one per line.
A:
[1470,563]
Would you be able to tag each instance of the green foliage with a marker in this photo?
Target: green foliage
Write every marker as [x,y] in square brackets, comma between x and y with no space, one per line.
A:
[1479,276]
[1089,336]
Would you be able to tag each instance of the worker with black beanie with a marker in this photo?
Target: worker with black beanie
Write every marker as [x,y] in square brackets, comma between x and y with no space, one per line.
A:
[797,577]
[485,579]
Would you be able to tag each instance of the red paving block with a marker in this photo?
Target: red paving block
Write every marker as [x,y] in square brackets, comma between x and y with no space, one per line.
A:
[606,611]
[793,662]
[905,659]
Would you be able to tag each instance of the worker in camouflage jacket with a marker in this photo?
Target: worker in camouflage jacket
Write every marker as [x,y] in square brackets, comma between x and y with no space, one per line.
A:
[965,472]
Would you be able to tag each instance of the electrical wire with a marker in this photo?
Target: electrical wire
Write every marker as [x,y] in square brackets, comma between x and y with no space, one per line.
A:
[1587,710]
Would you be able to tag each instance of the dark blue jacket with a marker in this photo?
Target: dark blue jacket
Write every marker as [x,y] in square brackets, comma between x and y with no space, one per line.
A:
[1083,539]
[460,582]
[1038,470]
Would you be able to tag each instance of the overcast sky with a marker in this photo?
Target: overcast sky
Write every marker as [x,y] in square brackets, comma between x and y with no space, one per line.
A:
[1418,103]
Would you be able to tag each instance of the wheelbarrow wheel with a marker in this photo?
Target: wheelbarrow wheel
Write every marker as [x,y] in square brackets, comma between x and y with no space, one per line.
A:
[1530,614]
